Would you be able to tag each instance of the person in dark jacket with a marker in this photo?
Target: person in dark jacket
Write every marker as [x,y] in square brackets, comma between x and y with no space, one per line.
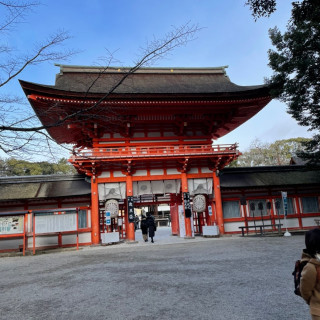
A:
[310,276]
[151,225]
[144,228]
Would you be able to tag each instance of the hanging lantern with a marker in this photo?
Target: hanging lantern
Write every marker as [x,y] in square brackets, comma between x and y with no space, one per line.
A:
[199,203]
[112,206]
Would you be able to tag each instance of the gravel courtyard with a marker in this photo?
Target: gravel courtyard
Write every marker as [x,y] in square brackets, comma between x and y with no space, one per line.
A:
[224,278]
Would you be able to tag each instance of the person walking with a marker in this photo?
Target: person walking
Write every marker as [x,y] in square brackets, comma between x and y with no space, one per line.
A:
[136,222]
[310,276]
[144,228]
[151,225]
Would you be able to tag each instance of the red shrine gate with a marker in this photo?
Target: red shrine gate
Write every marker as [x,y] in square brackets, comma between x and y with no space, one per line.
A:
[149,171]
[152,136]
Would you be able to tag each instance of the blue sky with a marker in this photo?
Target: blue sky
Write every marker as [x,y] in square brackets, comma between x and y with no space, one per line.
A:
[230,36]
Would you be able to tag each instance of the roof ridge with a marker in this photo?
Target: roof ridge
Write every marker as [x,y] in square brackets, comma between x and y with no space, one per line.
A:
[122,69]
[40,178]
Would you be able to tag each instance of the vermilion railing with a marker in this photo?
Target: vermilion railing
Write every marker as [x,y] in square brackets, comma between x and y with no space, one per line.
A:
[150,151]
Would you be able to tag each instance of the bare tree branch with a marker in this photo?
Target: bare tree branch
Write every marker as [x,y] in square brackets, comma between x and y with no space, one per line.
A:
[154,50]
[16,12]
[14,68]
[22,133]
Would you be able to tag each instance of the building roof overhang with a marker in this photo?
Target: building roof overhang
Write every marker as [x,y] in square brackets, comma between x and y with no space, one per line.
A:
[87,97]
[270,177]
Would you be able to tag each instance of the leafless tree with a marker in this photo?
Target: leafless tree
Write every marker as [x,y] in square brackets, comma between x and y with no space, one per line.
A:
[13,61]
[23,134]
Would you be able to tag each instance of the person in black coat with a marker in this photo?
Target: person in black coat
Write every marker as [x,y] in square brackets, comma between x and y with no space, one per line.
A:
[151,225]
[144,228]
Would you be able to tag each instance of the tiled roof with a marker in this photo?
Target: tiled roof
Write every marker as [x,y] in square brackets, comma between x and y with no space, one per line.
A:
[40,187]
[148,81]
[269,176]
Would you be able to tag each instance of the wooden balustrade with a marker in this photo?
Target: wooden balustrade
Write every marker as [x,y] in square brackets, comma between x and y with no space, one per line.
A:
[151,151]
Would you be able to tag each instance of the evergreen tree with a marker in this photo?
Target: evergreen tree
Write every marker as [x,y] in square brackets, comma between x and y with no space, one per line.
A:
[296,66]
[278,153]
[15,167]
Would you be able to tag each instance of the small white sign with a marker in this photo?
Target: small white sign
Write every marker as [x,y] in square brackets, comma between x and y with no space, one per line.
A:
[110,237]
[182,227]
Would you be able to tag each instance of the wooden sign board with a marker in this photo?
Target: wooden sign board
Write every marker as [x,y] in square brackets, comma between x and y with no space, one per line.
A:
[55,223]
[11,224]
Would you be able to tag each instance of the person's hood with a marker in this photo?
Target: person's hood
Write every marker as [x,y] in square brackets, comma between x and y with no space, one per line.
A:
[306,256]
[316,259]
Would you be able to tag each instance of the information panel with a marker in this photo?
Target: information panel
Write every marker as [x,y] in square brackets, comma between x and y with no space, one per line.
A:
[130,209]
[108,218]
[55,223]
[187,205]
[11,224]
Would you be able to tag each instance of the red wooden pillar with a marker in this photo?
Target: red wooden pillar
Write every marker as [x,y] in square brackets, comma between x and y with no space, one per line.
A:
[25,230]
[59,239]
[95,220]
[184,185]
[217,196]
[296,200]
[130,225]
[245,214]
[271,213]
[174,214]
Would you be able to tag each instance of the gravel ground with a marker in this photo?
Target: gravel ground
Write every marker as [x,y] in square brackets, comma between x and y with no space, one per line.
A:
[217,278]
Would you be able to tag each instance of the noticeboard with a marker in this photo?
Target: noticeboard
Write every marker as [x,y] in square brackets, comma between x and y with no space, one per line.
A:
[11,224]
[46,223]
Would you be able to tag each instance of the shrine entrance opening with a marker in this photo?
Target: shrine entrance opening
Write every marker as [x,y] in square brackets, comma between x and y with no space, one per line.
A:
[166,202]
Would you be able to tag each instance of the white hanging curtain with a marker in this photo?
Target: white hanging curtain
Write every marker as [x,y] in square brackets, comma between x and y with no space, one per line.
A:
[144,187]
[172,186]
[116,190]
[157,187]
[200,186]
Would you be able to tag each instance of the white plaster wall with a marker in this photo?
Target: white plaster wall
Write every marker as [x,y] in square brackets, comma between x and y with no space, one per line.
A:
[309,222]
[291,223]
[172,171]
[43,241]
[118,174]
[11,244]
[154,134]
[140,173]
[117,135]
[105,174]
[258,223]
[72,238]
[138,134]
[156,172]
[232,226]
